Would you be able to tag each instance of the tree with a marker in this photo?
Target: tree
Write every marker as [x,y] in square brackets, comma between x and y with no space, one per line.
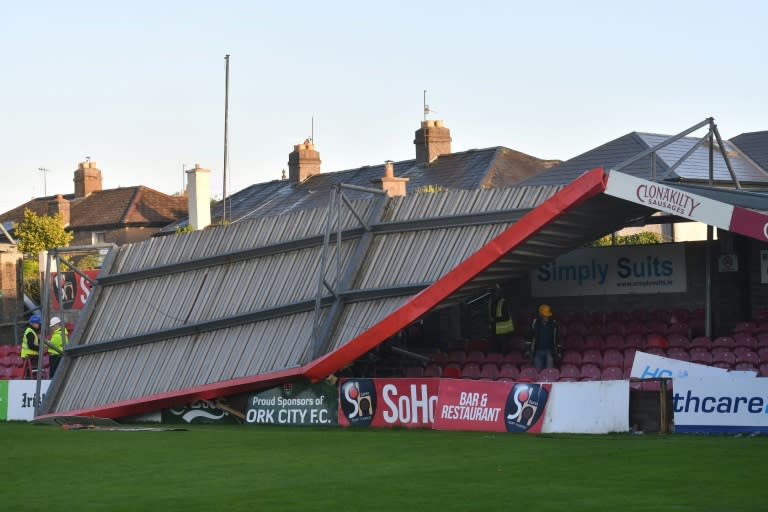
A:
[36,233]
[641,238]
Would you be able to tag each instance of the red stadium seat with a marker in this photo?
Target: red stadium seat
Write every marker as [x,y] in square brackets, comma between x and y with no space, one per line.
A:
[452,371]
[679,341]
[763,370]
[571,357]
[612,358]
[414,371]
[573,341]
[529,374]
[475,356]
[724,341]
[569,371]
[614,341]
[494,357]
[678,353]
[593,341]
[742,339]
[747,356]
[612,373]
[701,356]
[678,328]
[723,364]
[634,340]
[457,356]
[762,353]
[629,357]
[549,375]
[747,327]
[681,314]
[470,371]
[589,372]
[639,315]
[515,358]
[614,328]
[489,371]
[745,367]
[433,370]
[701,341]
[592,356]
[508,371]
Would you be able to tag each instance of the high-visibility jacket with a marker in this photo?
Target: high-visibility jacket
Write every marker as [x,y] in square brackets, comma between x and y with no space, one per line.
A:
[29,343]
[59,341]
[503,320]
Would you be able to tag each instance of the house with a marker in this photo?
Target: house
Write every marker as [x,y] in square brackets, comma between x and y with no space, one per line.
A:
[94,215]
[685,163]
[435,167]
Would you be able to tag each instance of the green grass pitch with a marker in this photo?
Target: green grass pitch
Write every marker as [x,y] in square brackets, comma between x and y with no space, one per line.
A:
[233,468]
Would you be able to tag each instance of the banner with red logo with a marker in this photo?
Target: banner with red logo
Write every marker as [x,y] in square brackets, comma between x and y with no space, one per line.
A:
[73,287]
[388,402]
[491,406]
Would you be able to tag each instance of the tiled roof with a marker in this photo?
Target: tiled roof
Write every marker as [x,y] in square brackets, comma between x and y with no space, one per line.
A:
[494,167]
[127,206]
[136,206]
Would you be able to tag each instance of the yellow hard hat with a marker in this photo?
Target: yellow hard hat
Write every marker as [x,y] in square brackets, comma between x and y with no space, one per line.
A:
[545,310]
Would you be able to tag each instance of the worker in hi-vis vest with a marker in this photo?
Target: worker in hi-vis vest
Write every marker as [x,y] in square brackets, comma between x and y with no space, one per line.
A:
[30,341]
[59,340]
[503,324]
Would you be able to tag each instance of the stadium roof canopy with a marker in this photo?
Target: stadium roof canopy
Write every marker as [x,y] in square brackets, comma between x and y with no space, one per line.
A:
[235,309]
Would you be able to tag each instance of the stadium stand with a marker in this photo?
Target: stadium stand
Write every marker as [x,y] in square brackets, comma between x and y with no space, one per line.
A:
[549,375]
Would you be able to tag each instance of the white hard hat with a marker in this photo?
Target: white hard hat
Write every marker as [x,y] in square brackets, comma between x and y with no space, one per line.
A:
[54,321]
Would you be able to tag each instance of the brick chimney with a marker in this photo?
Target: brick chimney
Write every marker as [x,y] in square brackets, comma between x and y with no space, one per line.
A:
[303,162]
[432,140]
[199,197]
[394,187]
[87,179]
[61,206]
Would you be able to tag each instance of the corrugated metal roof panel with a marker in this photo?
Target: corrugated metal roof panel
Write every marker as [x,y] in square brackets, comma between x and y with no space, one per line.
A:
[189,361]
[360,316]
[236,237]
[168,301]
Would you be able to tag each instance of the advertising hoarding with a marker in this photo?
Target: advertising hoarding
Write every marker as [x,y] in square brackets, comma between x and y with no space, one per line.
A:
[295,403]
[721,404]
[620,270]
[388,402]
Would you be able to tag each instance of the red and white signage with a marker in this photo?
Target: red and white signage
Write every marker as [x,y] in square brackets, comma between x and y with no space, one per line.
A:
[388,402]
[73,288]
[491,406]
[669,199]
[691,206]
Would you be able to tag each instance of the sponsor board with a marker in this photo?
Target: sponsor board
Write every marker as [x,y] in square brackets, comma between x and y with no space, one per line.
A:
[388,402]
[669,199]
[596,407]
[3,400]
[657,268]
[73,288]
[491,406]
[721,404]
[650,366]
[201,411]
[21,398]
[294,403]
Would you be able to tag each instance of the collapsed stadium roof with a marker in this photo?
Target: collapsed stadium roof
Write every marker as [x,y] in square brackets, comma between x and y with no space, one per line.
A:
[239,308]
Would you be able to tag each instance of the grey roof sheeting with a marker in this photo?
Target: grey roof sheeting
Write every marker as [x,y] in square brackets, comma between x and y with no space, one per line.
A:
[754,145]
[694,168]
[230,302]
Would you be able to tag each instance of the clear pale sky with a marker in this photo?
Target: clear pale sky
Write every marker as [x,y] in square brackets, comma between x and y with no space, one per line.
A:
[139,86]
